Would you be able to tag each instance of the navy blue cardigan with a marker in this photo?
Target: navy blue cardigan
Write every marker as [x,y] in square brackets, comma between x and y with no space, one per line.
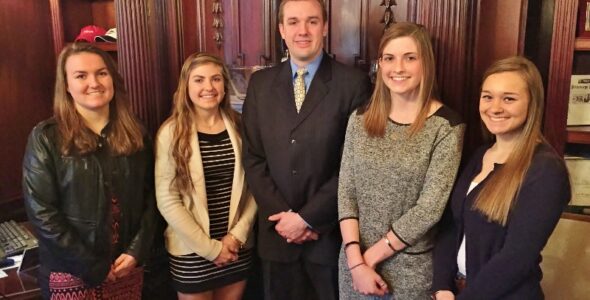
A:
[502,262]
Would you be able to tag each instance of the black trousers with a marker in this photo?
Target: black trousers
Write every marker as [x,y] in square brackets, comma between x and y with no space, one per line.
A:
[299,280]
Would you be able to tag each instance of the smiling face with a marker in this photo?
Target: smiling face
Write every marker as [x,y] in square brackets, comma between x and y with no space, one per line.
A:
[206,87]
[401,67]
[503,104]
[89,82]
[303,29]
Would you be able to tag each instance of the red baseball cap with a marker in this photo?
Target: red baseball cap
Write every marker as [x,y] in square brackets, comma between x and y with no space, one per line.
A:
[88,33]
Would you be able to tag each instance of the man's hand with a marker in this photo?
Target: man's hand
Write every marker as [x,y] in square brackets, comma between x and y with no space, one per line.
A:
[289,225]
[308,235]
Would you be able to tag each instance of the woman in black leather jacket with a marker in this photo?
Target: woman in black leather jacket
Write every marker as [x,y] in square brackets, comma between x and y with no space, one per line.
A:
[88,183]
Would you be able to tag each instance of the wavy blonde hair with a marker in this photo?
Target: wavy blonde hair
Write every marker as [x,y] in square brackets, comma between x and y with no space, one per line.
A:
[499,193]
[125,136]
[184,117]
[379,107]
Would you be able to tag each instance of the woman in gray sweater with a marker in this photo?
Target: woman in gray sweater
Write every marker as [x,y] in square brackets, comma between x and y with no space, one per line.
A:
[400,160]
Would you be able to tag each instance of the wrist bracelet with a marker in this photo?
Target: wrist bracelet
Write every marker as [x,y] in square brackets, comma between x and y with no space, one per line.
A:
[350,244]
[388,242]
[357,265]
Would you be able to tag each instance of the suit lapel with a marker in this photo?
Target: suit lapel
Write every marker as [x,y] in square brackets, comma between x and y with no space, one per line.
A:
[283,92]
[316,92]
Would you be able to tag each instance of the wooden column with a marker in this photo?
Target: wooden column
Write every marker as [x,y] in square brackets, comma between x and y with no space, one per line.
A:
[560,70]
[136,60]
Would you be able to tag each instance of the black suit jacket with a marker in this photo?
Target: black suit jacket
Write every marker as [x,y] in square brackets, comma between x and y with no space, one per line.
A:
[292,160]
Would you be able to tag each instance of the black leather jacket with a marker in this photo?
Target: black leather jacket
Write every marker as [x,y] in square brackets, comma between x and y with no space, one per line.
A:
[66,203]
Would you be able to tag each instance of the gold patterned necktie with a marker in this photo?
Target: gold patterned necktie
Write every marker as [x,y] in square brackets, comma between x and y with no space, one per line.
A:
[299,87]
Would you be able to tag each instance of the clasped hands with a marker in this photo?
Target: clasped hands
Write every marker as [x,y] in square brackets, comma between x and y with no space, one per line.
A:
[230,246]
[293,228]
[365,279]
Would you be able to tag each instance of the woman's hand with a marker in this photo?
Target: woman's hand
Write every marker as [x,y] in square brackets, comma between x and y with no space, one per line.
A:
[377,253]
[122,266]
[367,282]
[225,257]
[231,242]
[444,295]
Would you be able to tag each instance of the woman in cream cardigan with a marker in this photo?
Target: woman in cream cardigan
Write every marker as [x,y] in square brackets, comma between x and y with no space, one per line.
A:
[200,186]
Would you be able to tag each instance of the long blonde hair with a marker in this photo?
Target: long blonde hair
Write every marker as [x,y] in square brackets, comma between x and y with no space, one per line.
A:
[378,109]
[126,136]
[498,195]
[184,114]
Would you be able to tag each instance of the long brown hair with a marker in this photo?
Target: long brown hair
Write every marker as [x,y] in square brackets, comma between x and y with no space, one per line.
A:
[379,107]
[184,114]
[125,136]
[499,193]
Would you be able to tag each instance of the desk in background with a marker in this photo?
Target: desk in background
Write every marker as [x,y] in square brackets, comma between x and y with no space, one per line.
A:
[19,286]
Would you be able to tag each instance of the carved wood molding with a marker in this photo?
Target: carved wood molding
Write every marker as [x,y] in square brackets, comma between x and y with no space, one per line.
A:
[217,22]
[560,70]
[57,26]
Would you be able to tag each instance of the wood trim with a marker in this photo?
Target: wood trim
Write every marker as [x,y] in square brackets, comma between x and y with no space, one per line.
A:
[363,56]
[522,28]
[57,26]
[578,134]
[560,70]
[577,217]
[582,44]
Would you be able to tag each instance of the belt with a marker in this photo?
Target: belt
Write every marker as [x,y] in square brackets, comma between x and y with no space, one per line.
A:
[460,282]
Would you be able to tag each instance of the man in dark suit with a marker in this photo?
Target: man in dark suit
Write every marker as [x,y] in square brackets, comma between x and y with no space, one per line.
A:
[294,122]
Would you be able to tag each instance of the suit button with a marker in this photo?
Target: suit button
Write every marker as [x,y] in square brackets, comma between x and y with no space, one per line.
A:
[294,172]
[293,141]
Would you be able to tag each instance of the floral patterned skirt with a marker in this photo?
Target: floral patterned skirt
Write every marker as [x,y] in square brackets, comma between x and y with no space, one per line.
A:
[66,286]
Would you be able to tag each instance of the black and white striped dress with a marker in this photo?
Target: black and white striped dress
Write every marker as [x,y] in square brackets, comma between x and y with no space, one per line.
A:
[192,273]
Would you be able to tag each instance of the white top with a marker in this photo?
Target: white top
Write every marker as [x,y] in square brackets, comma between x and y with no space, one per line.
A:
[461,255]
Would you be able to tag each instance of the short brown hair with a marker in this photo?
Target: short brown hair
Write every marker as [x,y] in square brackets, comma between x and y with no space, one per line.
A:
[321,2]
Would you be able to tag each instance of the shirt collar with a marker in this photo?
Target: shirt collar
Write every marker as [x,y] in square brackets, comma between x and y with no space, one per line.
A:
[312,67]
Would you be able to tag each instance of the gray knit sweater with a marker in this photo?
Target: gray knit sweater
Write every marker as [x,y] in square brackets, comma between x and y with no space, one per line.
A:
[402,184]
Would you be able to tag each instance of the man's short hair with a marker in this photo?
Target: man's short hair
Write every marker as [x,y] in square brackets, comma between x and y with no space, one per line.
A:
[321,2]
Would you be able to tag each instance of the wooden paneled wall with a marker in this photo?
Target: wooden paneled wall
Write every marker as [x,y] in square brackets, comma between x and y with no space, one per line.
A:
[27,74]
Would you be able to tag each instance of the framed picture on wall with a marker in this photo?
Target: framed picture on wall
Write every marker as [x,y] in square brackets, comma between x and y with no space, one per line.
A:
[584,19]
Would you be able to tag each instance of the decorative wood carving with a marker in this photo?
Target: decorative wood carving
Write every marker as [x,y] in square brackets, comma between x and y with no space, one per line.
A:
[388,17]
[560,70]
[217,13]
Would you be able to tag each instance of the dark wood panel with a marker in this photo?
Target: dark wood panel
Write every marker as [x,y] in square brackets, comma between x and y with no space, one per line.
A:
[27,70]
[137,61]
[452,27]
[500,31]
[560,69]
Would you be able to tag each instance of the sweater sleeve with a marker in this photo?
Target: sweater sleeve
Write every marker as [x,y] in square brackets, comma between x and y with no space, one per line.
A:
[538,207]
[347,202]
[440,176]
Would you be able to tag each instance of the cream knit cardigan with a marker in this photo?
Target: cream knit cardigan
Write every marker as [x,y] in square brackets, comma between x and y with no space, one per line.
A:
[187,215]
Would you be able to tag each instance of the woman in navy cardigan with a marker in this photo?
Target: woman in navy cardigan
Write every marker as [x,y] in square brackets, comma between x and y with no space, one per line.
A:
[507,200]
